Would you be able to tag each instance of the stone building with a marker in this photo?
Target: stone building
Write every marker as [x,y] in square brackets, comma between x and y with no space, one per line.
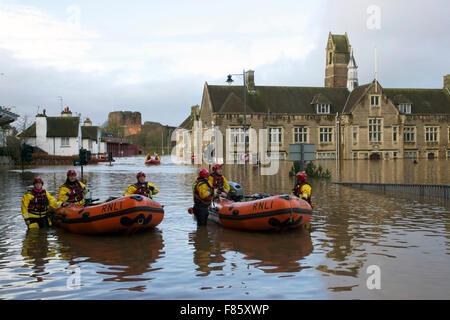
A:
[341,119]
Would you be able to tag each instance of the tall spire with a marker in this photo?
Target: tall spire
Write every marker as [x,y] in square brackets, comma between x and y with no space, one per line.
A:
[352,73]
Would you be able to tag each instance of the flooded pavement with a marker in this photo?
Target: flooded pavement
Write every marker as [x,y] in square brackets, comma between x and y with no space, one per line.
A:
[407,239]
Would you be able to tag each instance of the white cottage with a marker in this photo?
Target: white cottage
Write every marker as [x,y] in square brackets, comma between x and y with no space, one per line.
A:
[64,135]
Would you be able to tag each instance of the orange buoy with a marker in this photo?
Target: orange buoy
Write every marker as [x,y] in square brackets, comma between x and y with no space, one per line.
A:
[270,213]
[126,215]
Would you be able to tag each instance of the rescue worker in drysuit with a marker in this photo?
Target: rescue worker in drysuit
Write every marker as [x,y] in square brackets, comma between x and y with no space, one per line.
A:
[218,182]
[203,193]
[142,187]
[36,204]
[302,189]
[72,191]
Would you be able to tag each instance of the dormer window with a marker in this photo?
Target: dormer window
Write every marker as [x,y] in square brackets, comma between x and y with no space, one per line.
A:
[322,108]
[404,108]
[374,101]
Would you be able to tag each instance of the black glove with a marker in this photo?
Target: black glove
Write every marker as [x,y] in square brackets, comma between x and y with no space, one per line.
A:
[152,188]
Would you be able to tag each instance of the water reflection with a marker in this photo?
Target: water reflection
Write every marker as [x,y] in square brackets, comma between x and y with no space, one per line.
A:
[126,259]
[36,251]
[270,252]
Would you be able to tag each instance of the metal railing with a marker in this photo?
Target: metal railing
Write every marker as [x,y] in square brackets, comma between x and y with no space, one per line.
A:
[429,190]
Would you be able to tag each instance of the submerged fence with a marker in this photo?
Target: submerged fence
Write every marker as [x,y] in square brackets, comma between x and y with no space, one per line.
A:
[430,190]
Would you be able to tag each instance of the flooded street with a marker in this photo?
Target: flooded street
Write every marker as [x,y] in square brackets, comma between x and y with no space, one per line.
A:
[408,239]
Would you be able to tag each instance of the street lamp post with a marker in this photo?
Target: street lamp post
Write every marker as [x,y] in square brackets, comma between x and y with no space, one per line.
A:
[230,81]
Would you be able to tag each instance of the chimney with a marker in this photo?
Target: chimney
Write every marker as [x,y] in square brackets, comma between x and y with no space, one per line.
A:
[41,130]
[447,81]
[195,112]
[250,80]
[87,122]
[66,112]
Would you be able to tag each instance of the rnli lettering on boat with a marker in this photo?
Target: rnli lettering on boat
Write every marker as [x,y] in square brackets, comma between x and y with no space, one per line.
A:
[263,205]
[112,207]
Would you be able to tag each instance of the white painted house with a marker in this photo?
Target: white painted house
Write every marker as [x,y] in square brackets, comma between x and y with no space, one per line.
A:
[64,135]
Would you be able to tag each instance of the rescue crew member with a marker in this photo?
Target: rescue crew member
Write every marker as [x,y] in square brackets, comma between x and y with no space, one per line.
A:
[302,189]
[148,157]
[218,182]
[157,157]
[203,192]
[72,191]
[36,204]
[142,187]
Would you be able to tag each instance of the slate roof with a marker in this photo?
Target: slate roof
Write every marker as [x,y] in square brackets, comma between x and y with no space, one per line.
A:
[89,132]
[56,127]
[274,99]
[424,101]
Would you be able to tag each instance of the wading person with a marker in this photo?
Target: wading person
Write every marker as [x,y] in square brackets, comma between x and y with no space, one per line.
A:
[302,189]
[218,182]
[72,191]
[202,197]
[142,187]
[36,204]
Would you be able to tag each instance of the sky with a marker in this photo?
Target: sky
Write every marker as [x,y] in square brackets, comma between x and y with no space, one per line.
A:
[155,56]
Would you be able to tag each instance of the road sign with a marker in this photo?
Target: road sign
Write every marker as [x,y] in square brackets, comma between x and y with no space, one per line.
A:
[302,152]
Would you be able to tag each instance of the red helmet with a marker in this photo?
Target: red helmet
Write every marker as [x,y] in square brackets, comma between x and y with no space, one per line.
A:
[38,180]
[71,173]
[140,174]
[301,175]
[216,166]
[204,173]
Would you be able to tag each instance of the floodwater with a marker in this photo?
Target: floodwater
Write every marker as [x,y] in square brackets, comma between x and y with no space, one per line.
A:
[358,237]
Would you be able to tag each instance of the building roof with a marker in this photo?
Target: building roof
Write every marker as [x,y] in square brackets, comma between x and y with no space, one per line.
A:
[274,99]
[56,127]
[89,132]
[6,116]
[423,101]
[62,126]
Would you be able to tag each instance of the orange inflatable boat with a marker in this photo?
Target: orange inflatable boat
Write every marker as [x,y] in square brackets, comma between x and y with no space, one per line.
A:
[270,213]
[152,161]
[122,215]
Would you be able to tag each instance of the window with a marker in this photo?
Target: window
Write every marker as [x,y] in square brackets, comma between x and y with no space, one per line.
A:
[330,58]
[90,144]
[275,135]
[431,134]
[409,134]
[404,107]
[326,155]
[326,135]
[374,101]
[410,154]
[355,155]
[394,134]
[300,135]
[322,108]
[395,155]
[374,130]
[355,135]
[65,142]
[237,135]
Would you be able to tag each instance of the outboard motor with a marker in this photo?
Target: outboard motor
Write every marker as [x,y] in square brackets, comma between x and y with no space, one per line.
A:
[236,192]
